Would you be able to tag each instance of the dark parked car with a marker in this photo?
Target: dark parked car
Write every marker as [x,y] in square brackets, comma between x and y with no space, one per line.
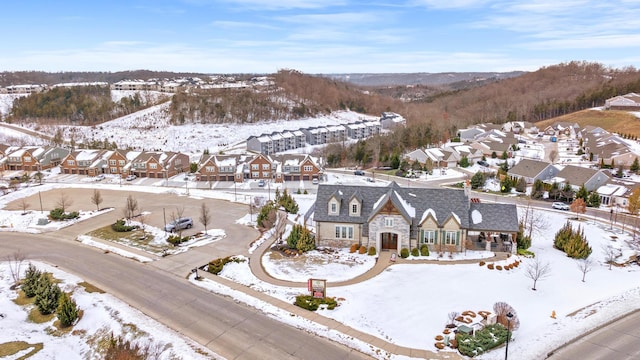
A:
[483,163]
[359,172]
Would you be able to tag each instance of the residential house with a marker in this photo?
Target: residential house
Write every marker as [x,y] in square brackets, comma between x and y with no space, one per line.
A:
[629,102]
[357,130]
[295,167]
[577,176]
[532,170]
[259,167]
[217,168]
[159,165]
[261,144]
[82,162]
[469,133]
[393,218]
[34,158]
[613,194]
[389,120]
[116,162]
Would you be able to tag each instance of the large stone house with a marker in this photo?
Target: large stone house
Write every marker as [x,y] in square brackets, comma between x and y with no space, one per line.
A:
[393,218]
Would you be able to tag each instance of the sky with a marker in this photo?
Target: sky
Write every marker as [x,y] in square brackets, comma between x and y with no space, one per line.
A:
[316,36]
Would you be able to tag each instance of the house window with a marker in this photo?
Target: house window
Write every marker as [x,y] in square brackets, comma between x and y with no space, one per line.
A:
[121,162]
[112,162]
[308,168]
[427,237]
[344,232]
[153,166]
[265,166]
[255,174]
[265,174]
[71,162]
[334,208]
[210,169]
[27,159]
[114,170]
[255,166]
[354,209]
[450,237]
[388,222]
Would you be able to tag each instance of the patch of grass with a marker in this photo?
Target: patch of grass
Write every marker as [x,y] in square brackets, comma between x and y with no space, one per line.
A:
[90,288]
[14,347]
[36,317]
[23,300]
[132,238]
[611,120]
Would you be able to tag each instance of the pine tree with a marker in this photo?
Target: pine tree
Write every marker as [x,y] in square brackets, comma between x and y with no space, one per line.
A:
[594,199]
[635,166]
[294,236]
[477,180]
[582,193]
[30,282]
[521,185]
[306,242]
[47,296]
[68,310]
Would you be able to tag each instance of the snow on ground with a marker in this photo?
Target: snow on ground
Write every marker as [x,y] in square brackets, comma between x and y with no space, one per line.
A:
[428,292]
[103,314]
[6,103]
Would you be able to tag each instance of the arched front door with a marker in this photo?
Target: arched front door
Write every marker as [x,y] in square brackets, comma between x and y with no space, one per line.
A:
[389,241]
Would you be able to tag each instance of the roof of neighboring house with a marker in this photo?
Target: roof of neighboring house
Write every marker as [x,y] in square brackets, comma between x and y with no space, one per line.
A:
[415,204]
[612,190]
[577,176]
[529,168]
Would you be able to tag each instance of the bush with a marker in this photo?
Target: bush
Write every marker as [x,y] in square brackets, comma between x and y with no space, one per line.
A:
[372,251]
[217,265]
[415,252]
[572,242]
[498,267]
[176,240]
[120,226]
[353,248]
[58,214]
[481,263]
[266,217]
[312,304]
[490,266]
[526,253]
[424,250]
[362,250]
[300,238]
[47,296]
[30,282]
[404,253]
[483,341]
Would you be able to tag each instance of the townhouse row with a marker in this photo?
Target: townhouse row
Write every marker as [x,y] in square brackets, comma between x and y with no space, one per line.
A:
[159,164]
[268,144]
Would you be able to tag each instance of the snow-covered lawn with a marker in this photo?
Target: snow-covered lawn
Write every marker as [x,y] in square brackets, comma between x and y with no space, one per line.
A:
[102,315]
[408,303]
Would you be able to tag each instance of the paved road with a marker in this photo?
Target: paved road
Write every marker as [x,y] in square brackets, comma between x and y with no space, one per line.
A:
[617,341]
[160,290]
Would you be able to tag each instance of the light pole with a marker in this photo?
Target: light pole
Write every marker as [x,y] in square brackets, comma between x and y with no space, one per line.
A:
[506,350]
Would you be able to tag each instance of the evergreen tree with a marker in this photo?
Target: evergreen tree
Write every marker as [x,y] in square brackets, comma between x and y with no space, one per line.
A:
[594,200]
[477,180]
[68,310]
[464,162]
[47,296]
[506,185]
[582,193]
[521,185]
[294,236]
[494,155]
[30,282]
[635,166]
[504,156]
[306,242]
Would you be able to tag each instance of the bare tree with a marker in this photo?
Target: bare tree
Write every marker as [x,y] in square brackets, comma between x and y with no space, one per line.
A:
[501,309]
[205,216]
[96,198]
[452,317]
[24,205]
[64,201]
[578,206]
[143,220]
[537,270]
[610,254]
[553,156]
[534,221]
[178,214]
[585,265]
[130,208]
[15,264]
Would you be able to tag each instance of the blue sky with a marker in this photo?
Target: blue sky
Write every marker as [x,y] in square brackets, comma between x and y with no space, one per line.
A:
[316,36]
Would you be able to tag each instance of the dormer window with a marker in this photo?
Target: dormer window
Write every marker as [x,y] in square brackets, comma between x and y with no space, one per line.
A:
[354,209]
[334,207]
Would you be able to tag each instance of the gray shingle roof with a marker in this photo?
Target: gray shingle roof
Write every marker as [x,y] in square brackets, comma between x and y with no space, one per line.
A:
[413,203]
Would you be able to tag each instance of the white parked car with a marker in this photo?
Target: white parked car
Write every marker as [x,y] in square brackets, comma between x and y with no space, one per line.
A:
[560,206]
[100,177]
[131,177]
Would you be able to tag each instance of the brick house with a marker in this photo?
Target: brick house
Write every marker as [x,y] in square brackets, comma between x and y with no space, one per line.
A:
[82,162]
[217,168]
[159,165]
[295,167]
[260,167]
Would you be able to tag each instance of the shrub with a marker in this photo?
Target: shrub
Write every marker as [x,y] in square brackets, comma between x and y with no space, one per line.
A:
[353,248]
[362,250]
[424,250]
[439,337]
[415,252]
[120,226]
[217,265]
[300,238]
[266,217]
[404,253]
[47,296]
[483,341]
[481,263]
[312,304]
[526,253]
[372,251]
[490,266]
[30,282]
[440,345]
[177,240]
[498,267]
[58,214]
[572,242]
